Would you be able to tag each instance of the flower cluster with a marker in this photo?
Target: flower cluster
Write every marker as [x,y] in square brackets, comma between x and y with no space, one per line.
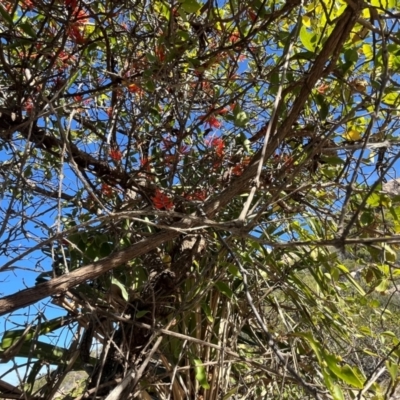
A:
[218,144]
[161,201]
[115,154]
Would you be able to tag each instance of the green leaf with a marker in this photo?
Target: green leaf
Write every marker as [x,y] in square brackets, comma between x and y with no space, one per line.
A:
[337,392]
[124,292]
[241,119]
[72,79]
[13,336]
[393,370]
[383,286]
[308,39]
[368,52]
[334,160]
[190,6]
[346,373]
[27,28]
[305,55]
[234,270]
[355,284]
[224,289]
[313,344]
[43,351]
[6,16]
[351,56]
[323,106]
[391,98]
[229,394]
[207,310]
[390,254]
[374,200]
[201,373]
[150,85]
[32,377]
[142,313]
[349,375]
[367,218]
[379,4]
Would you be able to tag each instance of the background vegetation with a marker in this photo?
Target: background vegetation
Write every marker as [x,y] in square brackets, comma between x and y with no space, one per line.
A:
[203,192]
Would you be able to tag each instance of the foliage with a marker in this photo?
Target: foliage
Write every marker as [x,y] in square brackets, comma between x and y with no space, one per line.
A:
[197,188]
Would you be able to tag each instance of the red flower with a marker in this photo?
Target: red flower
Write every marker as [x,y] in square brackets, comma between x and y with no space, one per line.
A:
[162,201]
[109,111]
[167,143]
[28,4]
[115,154]
[219,145]
[170,159]
[322,88]
[28,105]
[224,111]
[132,88]
[234,37]
[238,169]
[184,149]
[200,195]
[211,121]
[160,53]
[71,3]
[75,34]
[81,16]
[64,59]
[106,190]
[252,15]
[145,164]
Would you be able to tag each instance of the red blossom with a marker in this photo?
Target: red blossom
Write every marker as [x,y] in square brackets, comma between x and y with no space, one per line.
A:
[223,111]
[252,15]
[322,88]
[170,159]
[200,195]
[29,4]
[145,164]
[71,3]
[133,88]
[116,154]
[218,144]
[206,86]
[234,37]
[211,121]
[28,105]
[106,190]
[75,34]
[160,53]
[167,144]
[162,201]
[184,149]
[81,16]
[238,169]
[65,58]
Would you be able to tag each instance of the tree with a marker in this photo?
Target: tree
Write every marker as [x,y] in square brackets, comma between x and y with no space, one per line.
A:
[191,185]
